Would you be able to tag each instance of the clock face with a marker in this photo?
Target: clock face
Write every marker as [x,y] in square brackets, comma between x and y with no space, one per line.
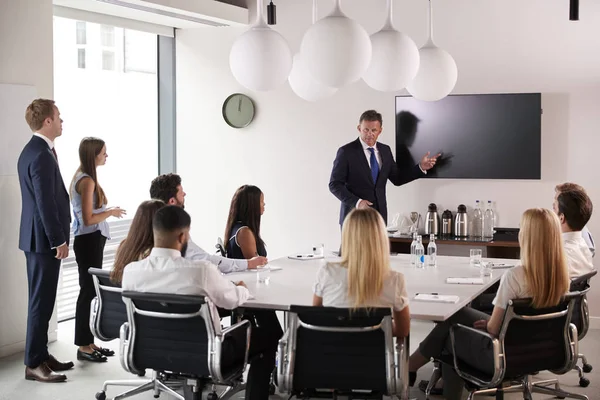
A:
[238,110]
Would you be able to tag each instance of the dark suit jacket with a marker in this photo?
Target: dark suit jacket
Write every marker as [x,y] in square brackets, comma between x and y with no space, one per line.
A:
[45,214]
[351,178]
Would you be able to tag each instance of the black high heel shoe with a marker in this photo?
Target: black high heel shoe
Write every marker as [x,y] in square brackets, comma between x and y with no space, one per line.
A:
[92,357]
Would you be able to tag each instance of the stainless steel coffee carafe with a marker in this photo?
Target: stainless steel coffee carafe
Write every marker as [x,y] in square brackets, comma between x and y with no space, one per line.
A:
[432,220]
[447,223]
[461,222]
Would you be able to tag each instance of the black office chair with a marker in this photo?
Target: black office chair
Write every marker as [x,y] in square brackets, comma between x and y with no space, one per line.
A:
[221,247]
[107,314]
[530,340]
[175,337]
[326,352]
[581,319]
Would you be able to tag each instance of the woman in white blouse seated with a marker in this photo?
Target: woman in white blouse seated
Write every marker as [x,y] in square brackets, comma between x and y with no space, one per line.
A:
[542,275]
[363,278]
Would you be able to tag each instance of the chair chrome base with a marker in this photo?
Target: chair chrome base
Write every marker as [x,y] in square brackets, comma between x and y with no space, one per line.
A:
[158,384]
[528,388]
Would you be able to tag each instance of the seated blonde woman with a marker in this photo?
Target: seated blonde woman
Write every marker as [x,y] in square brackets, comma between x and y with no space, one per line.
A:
[363,277]
[542,275]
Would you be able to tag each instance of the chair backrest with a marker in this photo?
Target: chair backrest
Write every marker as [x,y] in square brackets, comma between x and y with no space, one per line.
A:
[340,348]
[538,339]
[169,333]
[221,247]
[108,310]
[581,314]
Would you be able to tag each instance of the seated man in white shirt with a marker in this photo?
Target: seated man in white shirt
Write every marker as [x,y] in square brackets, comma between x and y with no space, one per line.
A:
[574,209]
[167,187]
[585,232]
[166,271]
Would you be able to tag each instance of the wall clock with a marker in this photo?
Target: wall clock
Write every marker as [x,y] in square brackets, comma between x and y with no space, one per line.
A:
[238,110]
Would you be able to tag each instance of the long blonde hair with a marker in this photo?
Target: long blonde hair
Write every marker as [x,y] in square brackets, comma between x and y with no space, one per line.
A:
[366,255]
[543,257]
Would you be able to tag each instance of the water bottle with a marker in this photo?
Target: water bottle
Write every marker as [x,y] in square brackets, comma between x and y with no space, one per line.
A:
[477,220]
[413,246]
[419,253]
[431,252]
[488,221]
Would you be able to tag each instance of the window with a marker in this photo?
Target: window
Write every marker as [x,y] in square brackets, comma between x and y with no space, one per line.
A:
[80,58]
[108,60]
[81,33]
[137,52]
[107,35]
[120,108]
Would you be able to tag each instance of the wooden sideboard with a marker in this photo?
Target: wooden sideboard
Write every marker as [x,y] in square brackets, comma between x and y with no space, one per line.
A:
[494,248]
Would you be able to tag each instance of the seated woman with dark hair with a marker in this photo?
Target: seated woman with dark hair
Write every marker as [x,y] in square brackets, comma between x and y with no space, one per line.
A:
[242,231]
[139,241]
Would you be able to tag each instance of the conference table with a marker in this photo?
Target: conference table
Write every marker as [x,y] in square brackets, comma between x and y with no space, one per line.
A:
[292,284]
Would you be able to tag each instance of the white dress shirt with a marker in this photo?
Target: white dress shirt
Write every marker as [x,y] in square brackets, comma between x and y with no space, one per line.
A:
[589,240]
[225,265]
[513,285]
[579,256]
[367,152]
[165,271]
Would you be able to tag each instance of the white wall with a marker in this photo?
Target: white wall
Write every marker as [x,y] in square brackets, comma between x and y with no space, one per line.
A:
[26,53]
[288,150]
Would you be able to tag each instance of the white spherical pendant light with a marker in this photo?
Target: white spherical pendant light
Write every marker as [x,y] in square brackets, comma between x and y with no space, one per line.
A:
[304,85]
[260,59]
[395,58]
[437,73]
[336,49]
[302,82]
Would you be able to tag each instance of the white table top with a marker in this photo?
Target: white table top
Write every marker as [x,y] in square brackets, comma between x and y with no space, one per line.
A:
[293,284]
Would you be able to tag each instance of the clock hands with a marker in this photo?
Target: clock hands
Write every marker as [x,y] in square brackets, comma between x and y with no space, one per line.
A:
[240,105]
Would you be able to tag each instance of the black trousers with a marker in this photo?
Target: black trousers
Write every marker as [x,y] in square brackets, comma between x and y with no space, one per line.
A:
[42,278]
[266,332]
[89,251]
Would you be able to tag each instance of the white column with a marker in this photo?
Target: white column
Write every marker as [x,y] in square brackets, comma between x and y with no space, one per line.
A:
[25,59]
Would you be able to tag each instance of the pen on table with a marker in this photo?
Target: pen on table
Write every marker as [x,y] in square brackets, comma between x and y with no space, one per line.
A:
[434,294]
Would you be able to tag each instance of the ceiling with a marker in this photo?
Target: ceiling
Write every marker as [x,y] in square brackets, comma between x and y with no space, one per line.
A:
[172,13]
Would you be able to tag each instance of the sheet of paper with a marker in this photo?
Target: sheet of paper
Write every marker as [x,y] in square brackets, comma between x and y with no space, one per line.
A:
[304,257]
[465,281]
[437,298]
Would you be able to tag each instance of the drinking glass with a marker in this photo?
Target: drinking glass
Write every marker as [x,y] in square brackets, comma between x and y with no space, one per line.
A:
[475,258]
[263,274]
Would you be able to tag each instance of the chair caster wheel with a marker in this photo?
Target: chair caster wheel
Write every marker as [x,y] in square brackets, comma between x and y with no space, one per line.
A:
[584,382]
[101,396]
[587,368]
[212,396]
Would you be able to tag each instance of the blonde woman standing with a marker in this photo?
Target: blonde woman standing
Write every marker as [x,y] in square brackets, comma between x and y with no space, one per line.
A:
[542,275]
[363,277]
[91,231]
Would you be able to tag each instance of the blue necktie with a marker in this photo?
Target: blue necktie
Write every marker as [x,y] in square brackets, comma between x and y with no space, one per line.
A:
[374,165]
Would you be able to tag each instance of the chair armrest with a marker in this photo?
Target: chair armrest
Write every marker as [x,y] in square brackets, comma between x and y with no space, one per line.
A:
[499,362]
[471,329]
[244,324]
[282,347]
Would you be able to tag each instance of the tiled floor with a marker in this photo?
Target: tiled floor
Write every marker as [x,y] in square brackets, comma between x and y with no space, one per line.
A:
[86,379]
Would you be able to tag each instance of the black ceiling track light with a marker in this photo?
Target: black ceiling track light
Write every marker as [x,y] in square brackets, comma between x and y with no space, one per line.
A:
[574,10]
[271,14]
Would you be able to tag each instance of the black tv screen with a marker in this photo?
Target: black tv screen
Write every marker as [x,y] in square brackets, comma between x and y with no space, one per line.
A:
[483,136]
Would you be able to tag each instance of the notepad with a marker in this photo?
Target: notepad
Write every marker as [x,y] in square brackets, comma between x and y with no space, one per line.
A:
[305,257]
[272,268]
[501,265]
[465,281]
[437,298]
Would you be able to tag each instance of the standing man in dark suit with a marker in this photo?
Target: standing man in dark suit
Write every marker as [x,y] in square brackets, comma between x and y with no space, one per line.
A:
[361,169]
[44,235]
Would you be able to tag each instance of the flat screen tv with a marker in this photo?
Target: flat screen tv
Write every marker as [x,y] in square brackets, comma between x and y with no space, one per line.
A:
[483,136]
